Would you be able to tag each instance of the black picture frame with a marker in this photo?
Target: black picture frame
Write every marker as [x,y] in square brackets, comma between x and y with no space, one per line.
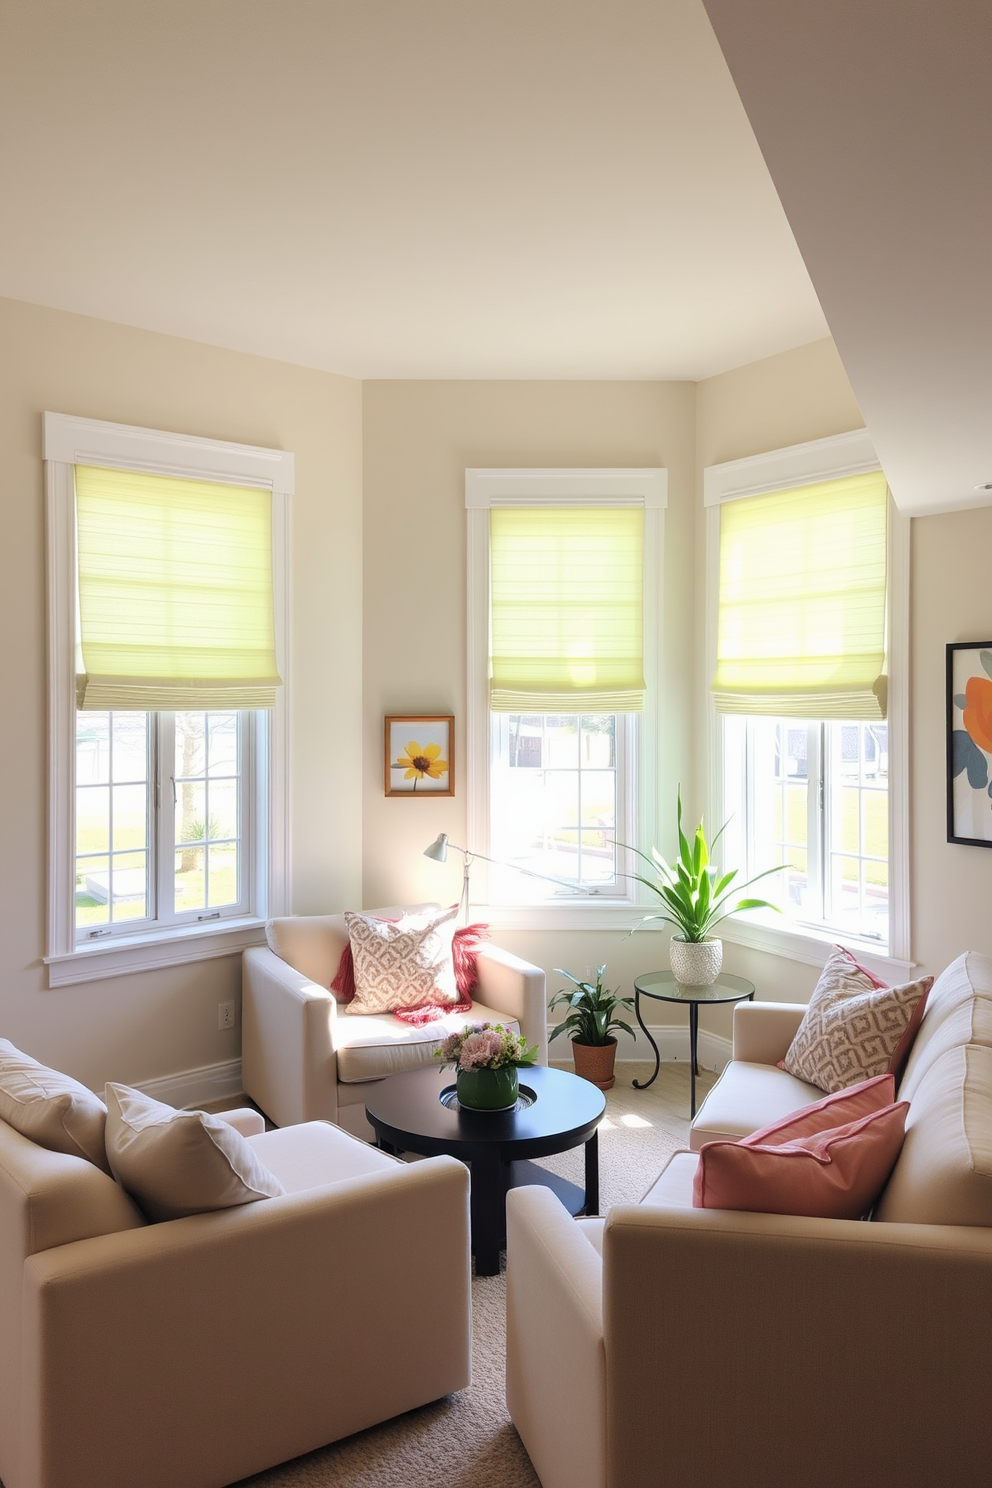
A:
[969,742]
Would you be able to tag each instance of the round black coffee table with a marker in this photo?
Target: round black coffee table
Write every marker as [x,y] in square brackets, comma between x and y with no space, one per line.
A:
[418,1112]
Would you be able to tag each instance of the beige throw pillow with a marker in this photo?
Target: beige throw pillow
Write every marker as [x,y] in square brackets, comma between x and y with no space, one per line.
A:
[180,1162]
[50,1108]
[855,1027]
[405,963]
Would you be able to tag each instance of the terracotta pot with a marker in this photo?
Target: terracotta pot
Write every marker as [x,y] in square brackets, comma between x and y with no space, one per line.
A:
[594,1062]
[695,963]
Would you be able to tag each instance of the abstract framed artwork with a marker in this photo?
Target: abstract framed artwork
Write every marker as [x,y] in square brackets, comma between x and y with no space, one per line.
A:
[420,754]
[969,743]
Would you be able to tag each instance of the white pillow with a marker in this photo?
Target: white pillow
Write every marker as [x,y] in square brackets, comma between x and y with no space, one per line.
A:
[404,963]
[50,1108]
[180,1162]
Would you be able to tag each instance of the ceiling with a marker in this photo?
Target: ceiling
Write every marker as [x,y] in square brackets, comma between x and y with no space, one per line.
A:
[875,122]
[398,188]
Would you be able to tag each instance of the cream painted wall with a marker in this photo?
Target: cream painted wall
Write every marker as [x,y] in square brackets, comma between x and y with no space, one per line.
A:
[140,1027]
[952,601]
[419,437]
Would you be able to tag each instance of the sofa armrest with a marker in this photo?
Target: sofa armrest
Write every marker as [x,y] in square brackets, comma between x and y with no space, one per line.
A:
[818,1342]
[555,1361]
[288,1064]
[763,1031]
[244,1119]
[516,988]
[343,1306]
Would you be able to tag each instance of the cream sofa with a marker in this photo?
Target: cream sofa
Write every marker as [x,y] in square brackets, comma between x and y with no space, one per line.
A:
[304,1058]
[718,1349]
[192,1353]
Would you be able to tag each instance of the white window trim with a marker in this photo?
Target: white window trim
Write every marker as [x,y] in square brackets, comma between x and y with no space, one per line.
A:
[803,464]
[625,486]
[68,441]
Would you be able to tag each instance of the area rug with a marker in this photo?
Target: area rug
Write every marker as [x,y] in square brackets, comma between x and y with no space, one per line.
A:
[467,1440]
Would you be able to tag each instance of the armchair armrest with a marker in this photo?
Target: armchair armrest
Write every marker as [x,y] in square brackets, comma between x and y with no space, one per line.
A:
[555,1359]
[288,1064]
[815,1341]
[516,988]
[343,1306]
[763,1031]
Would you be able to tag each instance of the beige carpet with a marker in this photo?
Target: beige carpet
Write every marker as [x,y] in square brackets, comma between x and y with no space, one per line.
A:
[466,1440]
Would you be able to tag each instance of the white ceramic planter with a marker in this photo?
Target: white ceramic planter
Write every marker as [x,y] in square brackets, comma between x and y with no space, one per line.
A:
[695,963]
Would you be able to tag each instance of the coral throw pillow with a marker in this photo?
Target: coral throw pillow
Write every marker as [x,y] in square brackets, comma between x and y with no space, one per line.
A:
[855,1026]
[801,1166]
[401,964]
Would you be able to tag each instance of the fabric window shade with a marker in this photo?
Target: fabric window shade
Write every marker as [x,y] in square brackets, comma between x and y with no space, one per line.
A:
[566,609]
[802,601]
[175,592]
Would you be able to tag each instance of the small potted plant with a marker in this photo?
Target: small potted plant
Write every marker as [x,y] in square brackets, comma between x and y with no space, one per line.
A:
[696,897]
[594,1047]
[486,1059]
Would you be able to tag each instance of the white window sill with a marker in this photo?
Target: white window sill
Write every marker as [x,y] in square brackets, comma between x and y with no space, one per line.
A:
[124,954]
[567,914]
[810,945]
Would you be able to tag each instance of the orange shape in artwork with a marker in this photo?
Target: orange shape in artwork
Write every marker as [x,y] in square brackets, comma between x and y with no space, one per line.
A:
[978,711]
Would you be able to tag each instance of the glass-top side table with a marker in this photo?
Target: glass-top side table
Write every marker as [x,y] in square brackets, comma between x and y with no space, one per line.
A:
[662,987]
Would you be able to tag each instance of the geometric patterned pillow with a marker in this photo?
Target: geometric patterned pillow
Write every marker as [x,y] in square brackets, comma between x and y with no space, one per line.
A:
[855,1027]
[403,963]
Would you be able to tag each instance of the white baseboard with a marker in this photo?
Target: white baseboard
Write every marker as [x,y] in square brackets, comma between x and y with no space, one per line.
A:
[197,1087]
[673,1044]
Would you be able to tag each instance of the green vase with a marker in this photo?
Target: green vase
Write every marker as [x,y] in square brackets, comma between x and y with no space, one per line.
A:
[487,1089]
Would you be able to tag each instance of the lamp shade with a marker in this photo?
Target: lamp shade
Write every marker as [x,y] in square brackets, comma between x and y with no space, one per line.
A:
[438,849]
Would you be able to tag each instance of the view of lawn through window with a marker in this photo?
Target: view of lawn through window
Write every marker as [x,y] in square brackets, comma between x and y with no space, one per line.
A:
[198,824]
[555,798]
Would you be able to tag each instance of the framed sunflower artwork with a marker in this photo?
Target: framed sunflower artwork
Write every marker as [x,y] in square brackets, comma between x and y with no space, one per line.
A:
[420,754]
[969,743]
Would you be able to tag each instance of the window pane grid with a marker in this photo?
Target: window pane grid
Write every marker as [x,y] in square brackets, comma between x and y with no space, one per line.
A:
[816,799]
[206,787]
[555,800]
[112,821]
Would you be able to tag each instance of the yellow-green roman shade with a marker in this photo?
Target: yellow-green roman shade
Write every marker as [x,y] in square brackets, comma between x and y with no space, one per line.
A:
[175,592]
[566,609]
[802,601]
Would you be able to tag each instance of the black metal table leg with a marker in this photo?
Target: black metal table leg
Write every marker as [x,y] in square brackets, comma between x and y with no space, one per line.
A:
[693,1069]
[638,1084]
[488,1208]
[592,1175]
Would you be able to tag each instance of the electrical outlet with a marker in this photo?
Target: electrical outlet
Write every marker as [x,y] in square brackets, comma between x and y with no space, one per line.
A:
[225,1015]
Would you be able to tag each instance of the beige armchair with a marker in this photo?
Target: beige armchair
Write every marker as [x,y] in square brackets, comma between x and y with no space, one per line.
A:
[303,1058]
[201,1350]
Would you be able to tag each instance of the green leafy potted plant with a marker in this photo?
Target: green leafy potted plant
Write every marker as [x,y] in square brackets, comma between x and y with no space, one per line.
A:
[696,897]
[589,1024]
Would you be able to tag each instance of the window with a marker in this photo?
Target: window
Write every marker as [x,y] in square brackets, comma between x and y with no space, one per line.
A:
[807,641]
[167,762]
[563,656]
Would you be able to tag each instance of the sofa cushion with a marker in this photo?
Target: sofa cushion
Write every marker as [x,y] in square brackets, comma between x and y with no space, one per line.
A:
[855,1026]
[747,1097]
[672,1189]
[402,964]
[175,1163]
[317,1153]
[944,1172]
[958,1012]
[50,1108]
[377,1045]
